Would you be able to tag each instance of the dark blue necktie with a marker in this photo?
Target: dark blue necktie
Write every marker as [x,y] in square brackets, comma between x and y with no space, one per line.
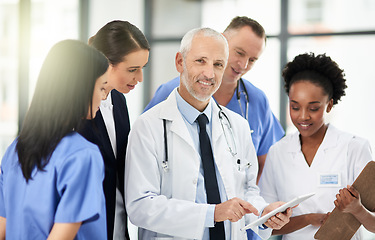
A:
[210,180]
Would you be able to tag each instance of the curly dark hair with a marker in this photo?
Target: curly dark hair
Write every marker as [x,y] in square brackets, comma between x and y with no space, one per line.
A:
[320,70]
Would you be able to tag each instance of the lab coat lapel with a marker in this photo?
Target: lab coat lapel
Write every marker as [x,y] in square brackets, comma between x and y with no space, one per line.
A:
[184,158]
[222,156]
[330,139]
[326,151]
[171,113]
[217,131]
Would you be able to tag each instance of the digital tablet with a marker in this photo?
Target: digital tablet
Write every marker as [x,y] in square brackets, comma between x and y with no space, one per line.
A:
[282,208]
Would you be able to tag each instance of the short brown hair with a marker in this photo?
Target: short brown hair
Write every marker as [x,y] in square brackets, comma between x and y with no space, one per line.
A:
[239,22]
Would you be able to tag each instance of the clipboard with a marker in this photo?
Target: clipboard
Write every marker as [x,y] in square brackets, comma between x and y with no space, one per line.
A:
[342,226]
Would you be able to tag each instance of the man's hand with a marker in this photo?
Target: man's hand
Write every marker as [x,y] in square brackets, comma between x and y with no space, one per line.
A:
[348,200]
[280,219]
[233,210]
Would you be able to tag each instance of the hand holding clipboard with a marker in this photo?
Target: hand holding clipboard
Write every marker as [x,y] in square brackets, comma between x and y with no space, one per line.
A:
[342,226]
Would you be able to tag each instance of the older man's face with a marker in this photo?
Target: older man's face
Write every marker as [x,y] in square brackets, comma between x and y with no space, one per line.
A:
[202,69]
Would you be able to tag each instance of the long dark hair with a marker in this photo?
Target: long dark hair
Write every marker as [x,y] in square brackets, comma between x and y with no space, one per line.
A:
[61,100]
[117,39]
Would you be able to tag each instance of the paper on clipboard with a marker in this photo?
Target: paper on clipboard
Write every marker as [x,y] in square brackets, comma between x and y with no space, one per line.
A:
[282,208]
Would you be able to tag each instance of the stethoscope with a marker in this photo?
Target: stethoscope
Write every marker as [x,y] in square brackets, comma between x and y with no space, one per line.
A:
[228,134]
[244,92]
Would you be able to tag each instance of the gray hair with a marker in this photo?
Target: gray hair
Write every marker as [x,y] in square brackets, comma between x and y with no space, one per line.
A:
[207,32]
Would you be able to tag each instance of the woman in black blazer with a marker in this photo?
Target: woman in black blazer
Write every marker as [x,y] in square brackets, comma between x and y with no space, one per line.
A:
[127,50]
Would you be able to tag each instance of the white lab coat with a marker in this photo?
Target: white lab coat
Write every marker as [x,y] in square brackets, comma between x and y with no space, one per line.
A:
[287,175]
[162,203]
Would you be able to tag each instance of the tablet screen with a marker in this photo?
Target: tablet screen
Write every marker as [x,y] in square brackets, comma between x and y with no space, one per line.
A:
[282,208]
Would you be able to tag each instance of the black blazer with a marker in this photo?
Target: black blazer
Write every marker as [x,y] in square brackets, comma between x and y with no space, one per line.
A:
[96,132]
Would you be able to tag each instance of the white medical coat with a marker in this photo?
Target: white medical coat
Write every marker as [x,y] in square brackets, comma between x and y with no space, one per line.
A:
[287,175]
[162,203]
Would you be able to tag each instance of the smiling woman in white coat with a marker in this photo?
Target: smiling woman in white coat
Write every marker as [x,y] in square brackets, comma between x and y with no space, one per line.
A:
[165,176]
[318,158]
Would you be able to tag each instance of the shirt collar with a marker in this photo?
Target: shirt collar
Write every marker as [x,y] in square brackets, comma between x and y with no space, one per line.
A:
[107,103]
[188,112]
[329,140]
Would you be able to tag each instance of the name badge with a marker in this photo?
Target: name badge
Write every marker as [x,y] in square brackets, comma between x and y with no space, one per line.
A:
[329,180]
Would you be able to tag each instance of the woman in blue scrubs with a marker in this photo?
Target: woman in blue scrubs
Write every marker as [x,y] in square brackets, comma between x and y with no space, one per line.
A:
[50,173]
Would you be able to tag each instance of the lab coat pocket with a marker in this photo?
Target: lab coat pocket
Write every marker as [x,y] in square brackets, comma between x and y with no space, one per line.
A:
[166,184]
[240,171]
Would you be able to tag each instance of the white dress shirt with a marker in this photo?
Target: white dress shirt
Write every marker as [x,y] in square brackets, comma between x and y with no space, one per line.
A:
[106,108]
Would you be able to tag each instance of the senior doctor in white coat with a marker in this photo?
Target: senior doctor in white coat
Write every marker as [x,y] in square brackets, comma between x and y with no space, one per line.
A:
[164,178]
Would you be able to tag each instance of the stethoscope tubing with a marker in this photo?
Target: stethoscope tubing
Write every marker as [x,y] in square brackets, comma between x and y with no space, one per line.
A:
[221,114]
[232,149]
[238,94]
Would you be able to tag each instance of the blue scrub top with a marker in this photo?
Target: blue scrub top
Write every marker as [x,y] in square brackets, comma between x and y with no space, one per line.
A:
[68,190]
[267,129]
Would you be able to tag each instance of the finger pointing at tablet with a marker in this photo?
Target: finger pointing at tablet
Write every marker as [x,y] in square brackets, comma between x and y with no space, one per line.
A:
[233,210]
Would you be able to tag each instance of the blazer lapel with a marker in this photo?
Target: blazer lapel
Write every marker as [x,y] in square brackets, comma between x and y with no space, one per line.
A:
[122,124]
[106,143]
[122,127]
